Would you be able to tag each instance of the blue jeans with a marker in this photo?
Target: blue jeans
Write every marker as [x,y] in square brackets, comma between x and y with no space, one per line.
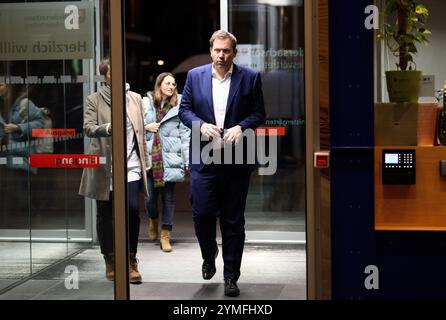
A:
[167,196]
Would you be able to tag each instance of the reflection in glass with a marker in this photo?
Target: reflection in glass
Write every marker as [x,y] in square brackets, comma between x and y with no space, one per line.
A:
[271,40]
[18,115]
[42,217]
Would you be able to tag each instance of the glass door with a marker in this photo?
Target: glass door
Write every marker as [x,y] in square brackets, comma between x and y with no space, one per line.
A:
[270,36]
[49,63]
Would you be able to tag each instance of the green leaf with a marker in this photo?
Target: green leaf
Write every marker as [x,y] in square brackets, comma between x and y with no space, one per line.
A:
[403,43]
[420,9]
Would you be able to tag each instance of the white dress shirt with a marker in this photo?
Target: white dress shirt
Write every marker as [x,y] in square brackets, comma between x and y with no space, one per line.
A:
[133,163]
[220,93]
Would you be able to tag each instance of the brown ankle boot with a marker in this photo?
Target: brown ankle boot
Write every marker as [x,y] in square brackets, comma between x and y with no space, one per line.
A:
[109,266]
[153,229]
[134,275]
[165,241]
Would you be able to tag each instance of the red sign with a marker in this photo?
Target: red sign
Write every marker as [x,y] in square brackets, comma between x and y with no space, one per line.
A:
[270,131]
[64,161]
[53,133]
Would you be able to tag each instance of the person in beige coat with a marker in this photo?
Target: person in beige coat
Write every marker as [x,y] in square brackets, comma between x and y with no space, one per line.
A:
[96,183]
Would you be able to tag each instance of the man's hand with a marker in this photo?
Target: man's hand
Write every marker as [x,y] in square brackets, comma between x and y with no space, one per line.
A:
[210,131]
[11,128]
[152,127]
[233,135]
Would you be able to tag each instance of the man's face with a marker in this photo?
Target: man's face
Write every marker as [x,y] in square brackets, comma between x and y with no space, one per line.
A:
[222,53]
[108,77]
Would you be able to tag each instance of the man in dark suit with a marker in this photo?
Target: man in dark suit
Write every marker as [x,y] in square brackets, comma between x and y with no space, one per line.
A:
[221,100]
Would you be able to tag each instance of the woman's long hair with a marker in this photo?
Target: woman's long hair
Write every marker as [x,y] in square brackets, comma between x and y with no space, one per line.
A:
[157,95]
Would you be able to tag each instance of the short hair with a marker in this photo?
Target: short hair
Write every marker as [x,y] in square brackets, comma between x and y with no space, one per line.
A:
[104,66]
[222,34]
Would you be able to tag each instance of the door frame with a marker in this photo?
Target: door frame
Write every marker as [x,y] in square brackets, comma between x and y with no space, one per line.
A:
[119,147]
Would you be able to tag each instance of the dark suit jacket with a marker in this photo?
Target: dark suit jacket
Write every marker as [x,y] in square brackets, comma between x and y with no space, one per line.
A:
[245,101]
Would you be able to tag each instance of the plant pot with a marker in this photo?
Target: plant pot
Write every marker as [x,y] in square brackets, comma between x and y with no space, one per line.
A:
[403,86]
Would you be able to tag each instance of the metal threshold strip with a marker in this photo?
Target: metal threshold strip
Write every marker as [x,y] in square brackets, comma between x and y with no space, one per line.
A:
[275,237]
[39,239]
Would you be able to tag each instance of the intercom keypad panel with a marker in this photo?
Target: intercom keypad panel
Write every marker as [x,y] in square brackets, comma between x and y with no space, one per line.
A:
[399,166]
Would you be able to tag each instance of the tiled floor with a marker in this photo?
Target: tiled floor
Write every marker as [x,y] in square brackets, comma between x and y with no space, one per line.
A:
[269,272]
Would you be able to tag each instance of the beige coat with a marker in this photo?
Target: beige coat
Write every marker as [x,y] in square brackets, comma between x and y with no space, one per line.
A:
[95,182]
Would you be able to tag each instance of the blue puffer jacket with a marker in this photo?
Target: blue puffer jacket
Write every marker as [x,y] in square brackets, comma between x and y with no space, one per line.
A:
[174,139]
[27,116]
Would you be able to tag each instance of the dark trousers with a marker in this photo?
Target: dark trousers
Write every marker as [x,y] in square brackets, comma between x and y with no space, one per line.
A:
[167,196]
[220,191]
[104,219]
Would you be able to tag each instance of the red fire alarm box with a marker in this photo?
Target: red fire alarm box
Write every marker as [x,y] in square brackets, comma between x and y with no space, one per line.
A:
[322,159]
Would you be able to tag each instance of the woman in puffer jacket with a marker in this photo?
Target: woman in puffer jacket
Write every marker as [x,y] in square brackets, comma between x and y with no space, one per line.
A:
[168,147]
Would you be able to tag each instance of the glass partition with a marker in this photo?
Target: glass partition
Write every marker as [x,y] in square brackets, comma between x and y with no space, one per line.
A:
[270,38]
[49,55]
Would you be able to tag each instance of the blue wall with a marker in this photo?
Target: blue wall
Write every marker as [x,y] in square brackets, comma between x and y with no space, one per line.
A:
[412,265]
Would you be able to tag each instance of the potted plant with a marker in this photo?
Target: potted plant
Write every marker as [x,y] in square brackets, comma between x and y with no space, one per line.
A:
[403,27]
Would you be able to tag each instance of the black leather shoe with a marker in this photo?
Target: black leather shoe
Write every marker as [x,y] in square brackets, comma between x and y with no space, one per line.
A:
[231,289]
[208,268]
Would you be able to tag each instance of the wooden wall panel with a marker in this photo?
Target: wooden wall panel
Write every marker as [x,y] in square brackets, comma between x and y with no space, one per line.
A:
[419,207]
[323,75]
[324,131]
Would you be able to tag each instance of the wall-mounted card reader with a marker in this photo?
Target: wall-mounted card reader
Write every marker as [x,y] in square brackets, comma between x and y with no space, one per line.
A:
[399,166]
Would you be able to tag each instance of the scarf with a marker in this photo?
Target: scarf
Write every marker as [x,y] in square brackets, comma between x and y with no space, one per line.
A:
[157,155]
[105,92]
